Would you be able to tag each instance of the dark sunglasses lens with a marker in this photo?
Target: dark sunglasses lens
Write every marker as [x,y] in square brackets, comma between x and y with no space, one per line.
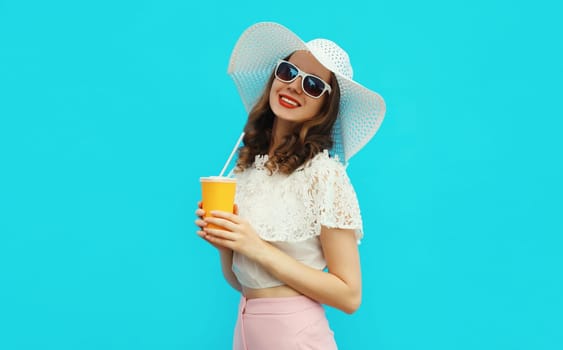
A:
[313,86]
[286,71]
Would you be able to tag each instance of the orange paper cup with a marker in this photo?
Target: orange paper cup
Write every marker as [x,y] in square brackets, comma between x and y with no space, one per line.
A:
[217,193]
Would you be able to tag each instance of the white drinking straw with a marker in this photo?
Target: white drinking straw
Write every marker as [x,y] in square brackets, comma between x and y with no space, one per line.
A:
[232,154]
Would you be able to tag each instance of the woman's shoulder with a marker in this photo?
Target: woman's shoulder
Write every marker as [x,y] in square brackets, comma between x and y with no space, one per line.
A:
[324,161]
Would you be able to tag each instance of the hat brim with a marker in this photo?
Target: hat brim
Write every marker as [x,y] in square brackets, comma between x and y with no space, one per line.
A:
[251,64]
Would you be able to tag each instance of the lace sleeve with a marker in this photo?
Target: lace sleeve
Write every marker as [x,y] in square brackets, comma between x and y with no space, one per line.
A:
[335,199]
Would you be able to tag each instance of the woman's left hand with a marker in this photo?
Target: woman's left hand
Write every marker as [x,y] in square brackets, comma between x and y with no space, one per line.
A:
[237,234]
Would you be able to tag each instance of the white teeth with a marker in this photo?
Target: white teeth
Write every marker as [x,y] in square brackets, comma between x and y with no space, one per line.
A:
[287,100]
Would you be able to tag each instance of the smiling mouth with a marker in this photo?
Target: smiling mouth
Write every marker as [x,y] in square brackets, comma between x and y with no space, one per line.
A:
[288,102]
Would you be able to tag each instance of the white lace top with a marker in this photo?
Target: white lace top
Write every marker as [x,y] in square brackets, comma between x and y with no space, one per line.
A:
[289,210]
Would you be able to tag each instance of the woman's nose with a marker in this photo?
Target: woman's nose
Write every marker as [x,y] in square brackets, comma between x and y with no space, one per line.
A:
[296,85]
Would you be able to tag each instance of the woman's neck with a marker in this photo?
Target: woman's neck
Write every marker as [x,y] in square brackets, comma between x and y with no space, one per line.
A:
[280,129]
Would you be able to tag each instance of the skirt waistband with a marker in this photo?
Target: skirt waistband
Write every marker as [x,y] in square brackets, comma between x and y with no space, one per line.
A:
[283,305]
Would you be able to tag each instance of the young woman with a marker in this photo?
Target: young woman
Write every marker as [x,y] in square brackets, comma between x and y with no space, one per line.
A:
[291,243]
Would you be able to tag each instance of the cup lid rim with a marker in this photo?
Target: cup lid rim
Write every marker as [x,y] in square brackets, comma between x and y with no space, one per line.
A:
[217,178]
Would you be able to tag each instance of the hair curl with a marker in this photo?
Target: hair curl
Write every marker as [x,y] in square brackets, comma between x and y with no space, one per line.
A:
[305,141]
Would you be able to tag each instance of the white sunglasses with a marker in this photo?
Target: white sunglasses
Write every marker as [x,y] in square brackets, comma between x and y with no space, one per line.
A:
[312,85]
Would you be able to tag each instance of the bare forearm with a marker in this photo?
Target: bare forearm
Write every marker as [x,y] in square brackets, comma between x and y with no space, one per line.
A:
[324,287]
[226,264]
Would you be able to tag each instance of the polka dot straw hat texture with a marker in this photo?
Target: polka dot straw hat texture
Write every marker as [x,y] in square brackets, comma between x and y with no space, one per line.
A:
[255,56]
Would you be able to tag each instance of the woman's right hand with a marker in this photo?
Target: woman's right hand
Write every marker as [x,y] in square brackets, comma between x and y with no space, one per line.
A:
[201,224]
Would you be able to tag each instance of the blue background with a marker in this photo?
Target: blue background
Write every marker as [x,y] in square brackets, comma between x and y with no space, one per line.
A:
[107,110]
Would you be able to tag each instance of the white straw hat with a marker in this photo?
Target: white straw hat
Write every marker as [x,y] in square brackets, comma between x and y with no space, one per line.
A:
[254,58]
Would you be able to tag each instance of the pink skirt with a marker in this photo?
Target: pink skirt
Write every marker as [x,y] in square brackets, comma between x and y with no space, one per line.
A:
[282,324]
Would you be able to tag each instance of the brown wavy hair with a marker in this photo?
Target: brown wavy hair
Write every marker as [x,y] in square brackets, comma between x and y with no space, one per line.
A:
[305,141]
